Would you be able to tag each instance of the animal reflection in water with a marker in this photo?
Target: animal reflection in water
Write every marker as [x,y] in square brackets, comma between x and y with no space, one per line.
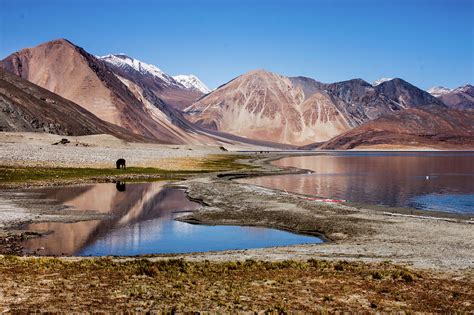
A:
[120,163]
[120,186]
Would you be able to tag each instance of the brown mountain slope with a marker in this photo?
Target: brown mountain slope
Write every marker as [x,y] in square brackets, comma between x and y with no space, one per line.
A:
[297,111]
[431,126]
[71,72]
[267,106]
[25,106]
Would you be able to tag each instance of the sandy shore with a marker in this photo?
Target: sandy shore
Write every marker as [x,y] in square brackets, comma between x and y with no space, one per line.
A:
[33,149]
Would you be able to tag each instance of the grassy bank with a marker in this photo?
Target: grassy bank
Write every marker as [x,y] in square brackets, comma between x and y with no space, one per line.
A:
[50,284]
[17,176]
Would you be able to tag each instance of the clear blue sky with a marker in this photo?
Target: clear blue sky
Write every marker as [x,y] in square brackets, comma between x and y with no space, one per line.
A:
[426,42]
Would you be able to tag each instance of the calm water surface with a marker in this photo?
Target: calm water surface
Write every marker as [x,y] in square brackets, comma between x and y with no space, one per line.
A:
[141,222]
[440,181]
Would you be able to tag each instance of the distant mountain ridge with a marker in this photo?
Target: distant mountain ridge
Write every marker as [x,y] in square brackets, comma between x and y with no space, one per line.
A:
[191,81]
[381,80]
[437,91]
[258,107]
[300,110]
[458,98]
[123,61]
[163,85]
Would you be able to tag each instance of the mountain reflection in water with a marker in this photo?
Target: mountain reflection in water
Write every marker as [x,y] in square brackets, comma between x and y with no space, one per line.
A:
[391,179]
[141,222]
[138,202]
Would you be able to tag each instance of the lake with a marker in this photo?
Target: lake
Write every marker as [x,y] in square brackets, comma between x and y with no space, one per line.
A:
[438,181]
[141,222]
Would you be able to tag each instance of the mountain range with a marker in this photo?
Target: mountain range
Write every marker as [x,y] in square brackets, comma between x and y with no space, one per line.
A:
[137,101]
[459,98]
[300,110]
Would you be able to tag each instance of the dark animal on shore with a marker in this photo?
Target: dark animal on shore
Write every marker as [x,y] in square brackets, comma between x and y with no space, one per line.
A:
[63,141]
[120,163]
[120,186]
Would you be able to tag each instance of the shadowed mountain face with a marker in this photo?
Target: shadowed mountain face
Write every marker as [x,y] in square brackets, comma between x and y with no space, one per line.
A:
[430,126]
[299,110]
[406,95]
[25,106]
[460,98]
[74,74]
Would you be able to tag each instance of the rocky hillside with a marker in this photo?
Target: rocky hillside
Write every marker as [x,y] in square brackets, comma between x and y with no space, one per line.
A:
[172,91]
[460,98]
[299,110]
[267,106]
[74,74]
[406,94]
[190,81]
[430,126]
[25,106]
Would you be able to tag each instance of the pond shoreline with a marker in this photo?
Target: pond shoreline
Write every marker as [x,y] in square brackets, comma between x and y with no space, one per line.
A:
[353,232]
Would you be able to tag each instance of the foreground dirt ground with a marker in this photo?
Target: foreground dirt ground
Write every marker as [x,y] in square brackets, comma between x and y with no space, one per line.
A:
[51,284]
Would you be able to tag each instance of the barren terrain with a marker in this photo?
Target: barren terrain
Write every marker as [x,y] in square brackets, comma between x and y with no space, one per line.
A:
[374,259]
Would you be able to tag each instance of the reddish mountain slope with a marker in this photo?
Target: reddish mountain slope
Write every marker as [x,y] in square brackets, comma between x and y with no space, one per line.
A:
[71,72]
[299,110]
[267,106]
[25,106]
[431,126]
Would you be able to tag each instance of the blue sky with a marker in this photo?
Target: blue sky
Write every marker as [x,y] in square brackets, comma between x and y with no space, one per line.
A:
[426,42]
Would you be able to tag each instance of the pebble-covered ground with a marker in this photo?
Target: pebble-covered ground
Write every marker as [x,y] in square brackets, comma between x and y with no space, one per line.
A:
[26,149]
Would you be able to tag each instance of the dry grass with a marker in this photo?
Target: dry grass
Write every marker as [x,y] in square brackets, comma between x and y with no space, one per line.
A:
[51,284]
[12,177]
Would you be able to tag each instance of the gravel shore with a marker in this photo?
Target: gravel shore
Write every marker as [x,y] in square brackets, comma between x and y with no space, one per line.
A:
[31,149]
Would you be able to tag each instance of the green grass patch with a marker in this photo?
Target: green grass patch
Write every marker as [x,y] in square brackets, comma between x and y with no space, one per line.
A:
[10,174]
[224,163]
[25,174]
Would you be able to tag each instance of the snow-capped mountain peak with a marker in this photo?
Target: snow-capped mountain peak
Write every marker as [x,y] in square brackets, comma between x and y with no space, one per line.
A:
[190,81]
[437,91]
[123,61]
[381,80]
[465,88]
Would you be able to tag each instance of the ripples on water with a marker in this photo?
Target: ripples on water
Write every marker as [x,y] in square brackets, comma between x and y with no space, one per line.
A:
[141,222]
[441,181]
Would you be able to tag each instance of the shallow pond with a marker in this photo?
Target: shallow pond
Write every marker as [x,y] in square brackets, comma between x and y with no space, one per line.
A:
[439,181]
[141,222]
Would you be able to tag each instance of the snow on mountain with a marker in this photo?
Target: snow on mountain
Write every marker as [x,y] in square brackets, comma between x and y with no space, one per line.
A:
[437,91]
[123,61]
[465,88]
[380,81]
[190,81]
